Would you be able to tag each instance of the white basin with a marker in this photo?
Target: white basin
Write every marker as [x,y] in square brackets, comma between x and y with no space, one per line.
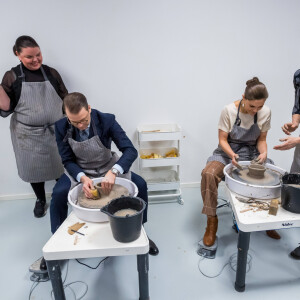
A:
[93,214]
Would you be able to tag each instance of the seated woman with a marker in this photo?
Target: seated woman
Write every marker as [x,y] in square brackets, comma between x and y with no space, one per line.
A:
[243,128]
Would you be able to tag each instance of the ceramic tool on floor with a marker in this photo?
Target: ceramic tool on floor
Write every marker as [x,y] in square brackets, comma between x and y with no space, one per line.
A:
[207,252]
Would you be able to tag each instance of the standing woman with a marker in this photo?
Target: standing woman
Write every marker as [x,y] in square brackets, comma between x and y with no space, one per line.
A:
[243,128]
[33,93]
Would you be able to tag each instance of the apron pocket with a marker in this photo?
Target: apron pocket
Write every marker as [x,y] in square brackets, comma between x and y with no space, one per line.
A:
[35,140]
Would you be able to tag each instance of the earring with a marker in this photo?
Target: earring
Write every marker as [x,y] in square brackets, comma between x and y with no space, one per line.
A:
[243,104]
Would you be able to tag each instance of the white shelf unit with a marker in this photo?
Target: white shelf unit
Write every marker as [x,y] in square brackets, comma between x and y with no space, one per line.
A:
[162,174]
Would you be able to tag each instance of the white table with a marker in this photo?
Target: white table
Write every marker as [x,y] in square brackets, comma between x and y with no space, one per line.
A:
[98,241]
[251,221]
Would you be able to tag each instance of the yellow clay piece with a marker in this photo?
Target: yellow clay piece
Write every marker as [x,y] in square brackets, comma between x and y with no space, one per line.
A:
[95,193]
[171,153]
[150,156]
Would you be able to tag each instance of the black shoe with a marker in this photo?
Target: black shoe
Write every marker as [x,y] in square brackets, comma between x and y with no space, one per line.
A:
[296,253]
[153,250]
[39,209]
[43,265]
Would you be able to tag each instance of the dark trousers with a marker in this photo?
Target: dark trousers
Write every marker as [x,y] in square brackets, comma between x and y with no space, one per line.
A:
[59,206]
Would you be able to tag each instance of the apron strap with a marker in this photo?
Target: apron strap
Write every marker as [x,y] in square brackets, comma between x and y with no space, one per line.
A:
[22,76]
[94,126]
[69,133]
[238,120]
[44,74]
[45,127]
[70,130]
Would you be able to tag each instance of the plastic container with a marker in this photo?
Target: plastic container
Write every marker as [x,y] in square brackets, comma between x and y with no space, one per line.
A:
[159,132]
[92,214]
[161,179]
[290,193]
[125,229]
[159,162]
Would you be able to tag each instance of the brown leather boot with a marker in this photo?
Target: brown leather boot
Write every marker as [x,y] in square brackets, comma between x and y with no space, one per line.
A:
[273,234]
[211,230]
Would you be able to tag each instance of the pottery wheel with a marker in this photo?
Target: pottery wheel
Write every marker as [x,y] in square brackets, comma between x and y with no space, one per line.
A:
[116,192]
[270,178]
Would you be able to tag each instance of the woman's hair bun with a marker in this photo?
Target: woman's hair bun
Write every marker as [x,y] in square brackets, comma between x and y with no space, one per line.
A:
[24,41]
[252,81]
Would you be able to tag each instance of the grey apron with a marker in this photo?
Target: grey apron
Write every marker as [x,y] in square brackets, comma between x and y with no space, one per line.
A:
[32,131]
[92,156]
[295,168]
[242,142]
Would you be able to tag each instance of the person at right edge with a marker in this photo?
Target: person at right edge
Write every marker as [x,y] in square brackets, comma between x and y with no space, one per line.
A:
[243,128]
[293,141]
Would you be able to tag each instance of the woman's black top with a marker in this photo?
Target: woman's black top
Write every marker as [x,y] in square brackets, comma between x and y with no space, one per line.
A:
[12,84]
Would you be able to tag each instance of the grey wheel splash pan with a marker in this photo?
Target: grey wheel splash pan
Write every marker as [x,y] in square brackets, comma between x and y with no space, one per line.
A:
[251,190]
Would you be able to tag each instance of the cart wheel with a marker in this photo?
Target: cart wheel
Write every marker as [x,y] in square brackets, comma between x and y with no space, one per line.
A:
[180,200]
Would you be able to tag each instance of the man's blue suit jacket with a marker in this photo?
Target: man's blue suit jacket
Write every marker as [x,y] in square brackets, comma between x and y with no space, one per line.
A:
[108,130]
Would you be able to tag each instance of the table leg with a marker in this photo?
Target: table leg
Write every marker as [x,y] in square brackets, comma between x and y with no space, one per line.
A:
[143,268]
[56,281]
[243,246]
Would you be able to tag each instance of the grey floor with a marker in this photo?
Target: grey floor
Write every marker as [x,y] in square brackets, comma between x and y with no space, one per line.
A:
[173,274]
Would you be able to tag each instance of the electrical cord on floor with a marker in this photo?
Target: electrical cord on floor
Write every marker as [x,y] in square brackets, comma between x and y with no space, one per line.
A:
[232,262]
[68,285]
[78,281]
[34,285]
[94,268]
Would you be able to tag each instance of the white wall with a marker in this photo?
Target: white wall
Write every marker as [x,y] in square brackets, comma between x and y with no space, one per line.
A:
[160,61]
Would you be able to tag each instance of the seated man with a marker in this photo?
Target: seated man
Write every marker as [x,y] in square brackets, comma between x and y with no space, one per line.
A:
[84,143]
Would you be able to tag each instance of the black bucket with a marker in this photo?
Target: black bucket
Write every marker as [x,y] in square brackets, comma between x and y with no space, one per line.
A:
[128,228]
[290,195]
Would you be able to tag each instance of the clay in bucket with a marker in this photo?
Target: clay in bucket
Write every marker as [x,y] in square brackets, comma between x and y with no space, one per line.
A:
[126,228]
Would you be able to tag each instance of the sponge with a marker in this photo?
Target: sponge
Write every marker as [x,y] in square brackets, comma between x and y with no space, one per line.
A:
[273,207]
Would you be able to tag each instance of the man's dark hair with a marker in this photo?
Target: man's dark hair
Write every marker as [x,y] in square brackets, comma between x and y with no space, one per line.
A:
[74,102]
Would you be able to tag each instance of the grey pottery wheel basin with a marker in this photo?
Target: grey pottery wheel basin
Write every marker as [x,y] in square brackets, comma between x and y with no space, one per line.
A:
[253,190]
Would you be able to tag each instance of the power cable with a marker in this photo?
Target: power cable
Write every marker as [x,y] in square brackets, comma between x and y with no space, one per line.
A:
[94,268]
[232,262]
[68,285]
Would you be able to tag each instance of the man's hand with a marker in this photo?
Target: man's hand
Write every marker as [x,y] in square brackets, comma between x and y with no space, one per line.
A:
[288,143]
[287,128]
[108,182]
[87,186]
[261,158]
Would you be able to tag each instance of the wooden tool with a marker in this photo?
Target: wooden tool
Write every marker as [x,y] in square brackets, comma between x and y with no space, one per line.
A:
[75,227]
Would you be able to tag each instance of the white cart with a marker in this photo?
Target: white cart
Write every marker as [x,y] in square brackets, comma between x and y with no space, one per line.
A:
[161,173]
